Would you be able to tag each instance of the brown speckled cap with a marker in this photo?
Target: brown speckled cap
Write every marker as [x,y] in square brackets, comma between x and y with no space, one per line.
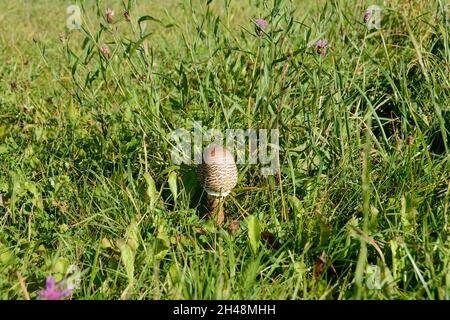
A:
[218,172]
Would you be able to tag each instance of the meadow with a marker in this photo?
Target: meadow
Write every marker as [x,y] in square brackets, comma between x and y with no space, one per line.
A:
[358,207]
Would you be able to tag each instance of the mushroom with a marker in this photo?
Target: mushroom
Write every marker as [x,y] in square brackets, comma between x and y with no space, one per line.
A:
[218,174]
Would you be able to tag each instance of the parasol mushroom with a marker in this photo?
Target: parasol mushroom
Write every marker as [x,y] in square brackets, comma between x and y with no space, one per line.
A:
[218,174]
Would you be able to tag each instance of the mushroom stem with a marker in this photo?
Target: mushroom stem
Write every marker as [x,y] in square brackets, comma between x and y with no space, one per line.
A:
[215,207]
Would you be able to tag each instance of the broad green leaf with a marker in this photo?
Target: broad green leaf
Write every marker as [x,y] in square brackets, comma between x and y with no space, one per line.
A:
[4,131]
[132,235]
[254,233]
[127,255]
[173,184]
[7,257]
[4,149]
[72,113]
[406,215]
[152,193]
[162,243]
[59,268]
[295,204]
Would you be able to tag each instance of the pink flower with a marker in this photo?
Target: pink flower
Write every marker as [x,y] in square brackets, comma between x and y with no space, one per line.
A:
[367,16]
[53,293]
[105,50]
[262,23]
[321,47]
[109,15]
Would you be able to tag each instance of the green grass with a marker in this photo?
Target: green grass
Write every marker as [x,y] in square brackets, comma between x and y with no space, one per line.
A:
[364,163]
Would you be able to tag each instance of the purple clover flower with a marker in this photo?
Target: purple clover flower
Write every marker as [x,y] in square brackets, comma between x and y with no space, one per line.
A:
[321,47]
[367,16]
[105,50]
[109,15]
[53,293]
[262,23]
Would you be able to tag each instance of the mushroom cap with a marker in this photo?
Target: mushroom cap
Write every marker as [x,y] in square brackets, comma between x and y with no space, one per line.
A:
[218,172]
